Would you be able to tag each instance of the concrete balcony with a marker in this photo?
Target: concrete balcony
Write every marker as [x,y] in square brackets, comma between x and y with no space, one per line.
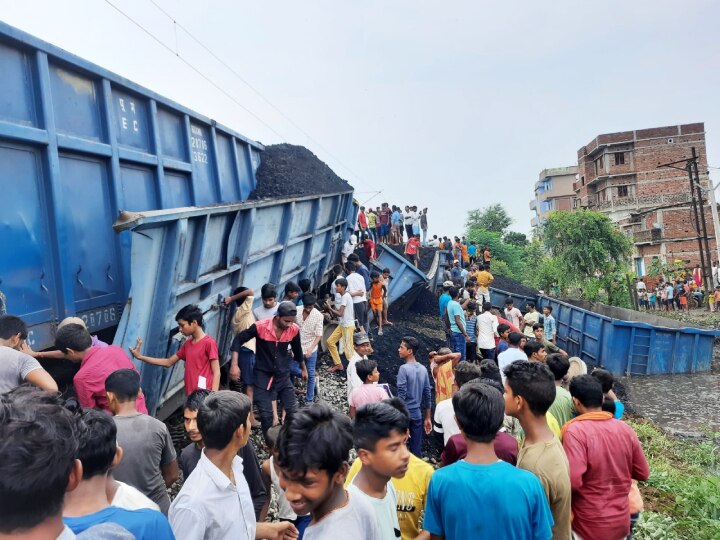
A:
[534,222]
[533,204]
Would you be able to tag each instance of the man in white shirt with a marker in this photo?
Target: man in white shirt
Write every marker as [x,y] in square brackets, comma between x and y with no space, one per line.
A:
[357,287]
[486,327]
[215,503]
[514,352]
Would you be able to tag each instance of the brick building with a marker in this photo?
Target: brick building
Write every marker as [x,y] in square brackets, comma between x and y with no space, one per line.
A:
[554,190]
[619,175]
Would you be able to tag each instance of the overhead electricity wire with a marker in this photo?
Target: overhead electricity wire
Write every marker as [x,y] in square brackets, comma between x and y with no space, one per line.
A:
[176,52]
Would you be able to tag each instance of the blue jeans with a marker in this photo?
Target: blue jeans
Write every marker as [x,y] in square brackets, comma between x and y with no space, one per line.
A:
[310,363]
[416,436]
[458,344]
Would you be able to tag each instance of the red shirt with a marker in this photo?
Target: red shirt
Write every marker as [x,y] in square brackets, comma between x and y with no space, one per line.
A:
[197,358]
[412,246]
[506,448]
[362,220]
[604,455]
[89,381]
[369,248]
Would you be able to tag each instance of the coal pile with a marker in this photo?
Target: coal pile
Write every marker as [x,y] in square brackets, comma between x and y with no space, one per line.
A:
[512,286]
[426,256]
[287,171]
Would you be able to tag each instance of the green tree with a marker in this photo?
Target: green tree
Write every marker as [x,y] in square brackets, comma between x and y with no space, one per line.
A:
[591,253]
[493,218]
[500,251]
[515,239]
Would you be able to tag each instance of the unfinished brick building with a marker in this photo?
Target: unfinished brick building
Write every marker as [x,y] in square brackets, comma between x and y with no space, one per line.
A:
[619,175]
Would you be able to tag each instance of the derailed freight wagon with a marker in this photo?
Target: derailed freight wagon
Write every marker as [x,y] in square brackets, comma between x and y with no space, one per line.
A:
[80,146]
[628,342]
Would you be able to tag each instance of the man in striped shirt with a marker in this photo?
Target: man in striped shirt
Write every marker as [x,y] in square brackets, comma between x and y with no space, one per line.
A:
[310,321]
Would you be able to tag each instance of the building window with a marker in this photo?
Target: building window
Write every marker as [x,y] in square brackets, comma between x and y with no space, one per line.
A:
[619,158]
[622,191]
[599,165]
[582,180]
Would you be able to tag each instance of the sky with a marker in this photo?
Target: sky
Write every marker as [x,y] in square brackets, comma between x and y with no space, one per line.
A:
[447,105]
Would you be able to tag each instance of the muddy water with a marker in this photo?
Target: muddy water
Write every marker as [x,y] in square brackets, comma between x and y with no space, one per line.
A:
[683,404]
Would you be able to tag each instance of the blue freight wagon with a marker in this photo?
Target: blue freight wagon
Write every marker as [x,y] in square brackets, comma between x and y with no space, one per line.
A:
[199,255]
[628,342]
[79,144]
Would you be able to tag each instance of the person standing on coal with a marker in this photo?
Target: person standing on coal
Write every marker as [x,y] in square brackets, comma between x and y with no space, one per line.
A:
[413,386]
[358,291]
[455,323]
[277,343]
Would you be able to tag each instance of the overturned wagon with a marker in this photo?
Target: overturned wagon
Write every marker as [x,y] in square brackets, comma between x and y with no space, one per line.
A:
[628,342]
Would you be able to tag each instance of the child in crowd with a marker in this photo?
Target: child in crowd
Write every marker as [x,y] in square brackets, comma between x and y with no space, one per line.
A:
[242,359]
[380,434]
[503,331]
[411,489]
[472,330]
[369,391]
[607,381]
[385,279]
[87,505]
[442,366]
[363,348]
[444,419]
[271,479]
[313,451]
[292,292]
[268,294]
[504,444]
[529,393]
[562,407]
[191,454]
[482,490]
[412,249]
[378,294]
[652,299]
[413,386]
[215,500]
[199,351]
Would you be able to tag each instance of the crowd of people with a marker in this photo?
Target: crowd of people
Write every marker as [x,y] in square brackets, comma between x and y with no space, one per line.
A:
[532,445]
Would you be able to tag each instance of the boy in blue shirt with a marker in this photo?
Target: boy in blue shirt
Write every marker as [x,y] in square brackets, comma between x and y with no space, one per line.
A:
[497,500]
[413,386]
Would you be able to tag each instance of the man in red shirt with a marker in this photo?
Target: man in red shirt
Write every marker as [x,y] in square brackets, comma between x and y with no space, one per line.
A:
[96,363]
[412,249]
[369,246]
[605,456]
[362,224]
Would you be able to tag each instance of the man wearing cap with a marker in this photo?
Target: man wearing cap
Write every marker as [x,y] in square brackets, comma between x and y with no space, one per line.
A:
[277,343]
[362,349]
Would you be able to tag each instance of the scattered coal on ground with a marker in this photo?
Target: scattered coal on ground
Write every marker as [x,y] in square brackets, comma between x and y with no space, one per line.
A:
[419,321]
[287,170]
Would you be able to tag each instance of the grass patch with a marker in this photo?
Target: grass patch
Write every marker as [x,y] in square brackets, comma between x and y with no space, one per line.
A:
[682,495]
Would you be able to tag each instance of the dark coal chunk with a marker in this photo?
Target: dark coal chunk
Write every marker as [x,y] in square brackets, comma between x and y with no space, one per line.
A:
[287,170]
